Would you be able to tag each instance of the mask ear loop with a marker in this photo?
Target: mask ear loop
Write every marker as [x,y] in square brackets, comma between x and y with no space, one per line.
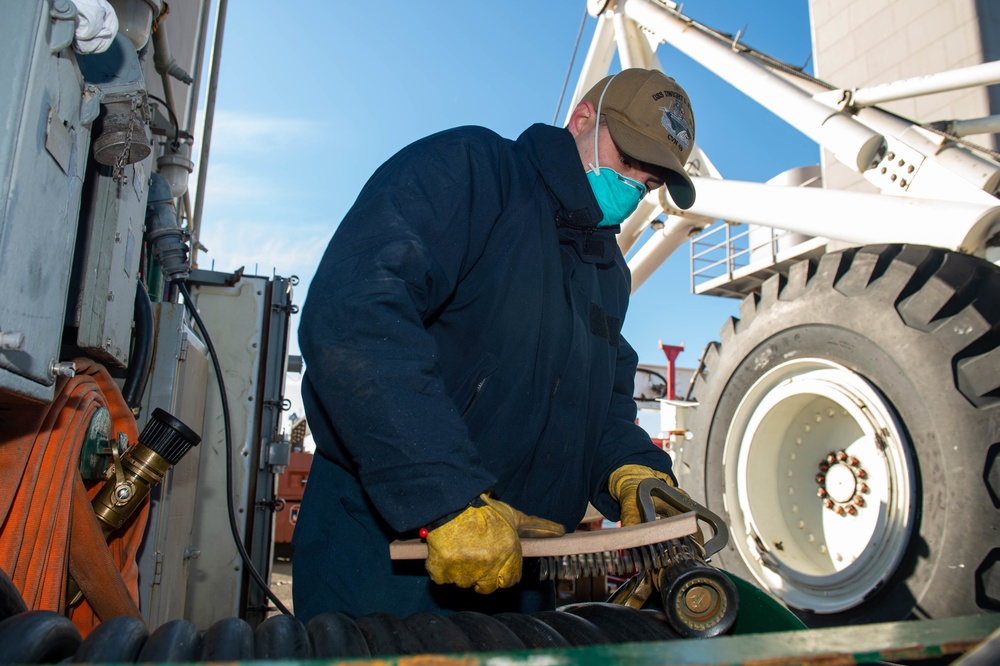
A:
[597,126]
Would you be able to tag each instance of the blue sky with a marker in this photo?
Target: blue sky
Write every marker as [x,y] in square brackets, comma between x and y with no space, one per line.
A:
[314,96]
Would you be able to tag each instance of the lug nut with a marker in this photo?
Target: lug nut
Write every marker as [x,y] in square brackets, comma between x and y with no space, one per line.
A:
[854,462]
[828,504]
[862,474]
[824,466]
[841,455]
[865,489]
[851,510]
[821,492]
[831,458]
[820,478]
[840,511]
[859,500]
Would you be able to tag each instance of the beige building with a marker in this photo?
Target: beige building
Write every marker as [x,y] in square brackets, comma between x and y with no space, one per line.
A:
[860,43]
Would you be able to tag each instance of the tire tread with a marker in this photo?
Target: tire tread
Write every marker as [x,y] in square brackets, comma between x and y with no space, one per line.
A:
[952,298]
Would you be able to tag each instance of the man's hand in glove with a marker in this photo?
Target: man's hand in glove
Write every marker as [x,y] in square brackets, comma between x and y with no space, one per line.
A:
[480,547]
[623,485]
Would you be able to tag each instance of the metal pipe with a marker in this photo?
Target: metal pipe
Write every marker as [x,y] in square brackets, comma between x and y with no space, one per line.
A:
[163,233]
[636,223]
[661,245]
[185,219]
[852,143]
[986,125]
[197,65]
[984,74]
[206,139]
[633,49]
[856,217]
[162,62]
[596,64]
[962,162]
[166,66]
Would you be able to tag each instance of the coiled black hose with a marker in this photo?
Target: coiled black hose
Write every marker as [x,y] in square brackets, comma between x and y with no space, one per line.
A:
[116,640]
[228,640]
[281,637]
[174,641]
[336,635]
[11,602]
[44,637]
[37,637]
[534,632]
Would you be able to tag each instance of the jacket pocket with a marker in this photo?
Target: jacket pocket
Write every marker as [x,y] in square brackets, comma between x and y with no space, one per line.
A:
[473,387]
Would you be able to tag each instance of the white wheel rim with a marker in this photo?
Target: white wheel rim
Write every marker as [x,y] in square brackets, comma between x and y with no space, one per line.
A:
[819,539]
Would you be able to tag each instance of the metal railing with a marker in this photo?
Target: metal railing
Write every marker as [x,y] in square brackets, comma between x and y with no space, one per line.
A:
[723,249]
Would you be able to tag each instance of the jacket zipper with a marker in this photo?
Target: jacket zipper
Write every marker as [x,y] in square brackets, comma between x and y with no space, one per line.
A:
[475,395]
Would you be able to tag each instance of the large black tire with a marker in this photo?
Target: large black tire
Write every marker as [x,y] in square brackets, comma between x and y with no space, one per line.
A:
[887,360]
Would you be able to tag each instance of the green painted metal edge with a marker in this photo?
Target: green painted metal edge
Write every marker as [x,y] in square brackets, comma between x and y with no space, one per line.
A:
[859,644]
[760,612]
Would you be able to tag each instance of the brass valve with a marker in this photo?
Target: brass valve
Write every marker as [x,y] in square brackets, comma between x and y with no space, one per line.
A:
[163,442]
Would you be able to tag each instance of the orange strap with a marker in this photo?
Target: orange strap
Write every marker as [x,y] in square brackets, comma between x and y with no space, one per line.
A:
[47,525]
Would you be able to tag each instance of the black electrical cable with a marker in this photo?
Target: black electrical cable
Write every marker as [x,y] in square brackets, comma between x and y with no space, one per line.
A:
[193,311]
[173,117]
[569,70]
[700,369]
[142,349]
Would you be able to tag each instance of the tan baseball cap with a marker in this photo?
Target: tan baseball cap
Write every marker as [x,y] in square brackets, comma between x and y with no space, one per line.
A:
[650,119]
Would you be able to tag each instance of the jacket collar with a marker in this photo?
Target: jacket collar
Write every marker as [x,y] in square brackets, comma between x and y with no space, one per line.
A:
[553,152]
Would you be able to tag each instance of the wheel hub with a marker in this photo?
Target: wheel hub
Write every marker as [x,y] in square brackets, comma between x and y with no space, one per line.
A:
[819,475]
[842,486]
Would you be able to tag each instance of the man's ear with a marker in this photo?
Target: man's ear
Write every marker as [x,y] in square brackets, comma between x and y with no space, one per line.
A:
[582,119]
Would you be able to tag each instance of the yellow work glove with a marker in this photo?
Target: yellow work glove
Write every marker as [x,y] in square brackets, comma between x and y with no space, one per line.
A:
[480,547]
[623,484]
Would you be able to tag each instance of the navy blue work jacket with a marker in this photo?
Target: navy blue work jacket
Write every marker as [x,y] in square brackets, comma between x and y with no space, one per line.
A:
[462,333]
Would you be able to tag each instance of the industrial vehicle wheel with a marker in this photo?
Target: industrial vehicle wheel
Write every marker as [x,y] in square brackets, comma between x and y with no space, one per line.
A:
[849,427]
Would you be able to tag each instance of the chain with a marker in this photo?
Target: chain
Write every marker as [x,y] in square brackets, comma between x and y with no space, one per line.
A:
[118,172]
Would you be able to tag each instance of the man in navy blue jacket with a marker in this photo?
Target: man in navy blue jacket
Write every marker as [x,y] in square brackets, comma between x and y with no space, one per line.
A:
[464,361]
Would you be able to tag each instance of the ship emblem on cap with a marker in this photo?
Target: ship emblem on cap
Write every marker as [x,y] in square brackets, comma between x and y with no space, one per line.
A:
[675,120]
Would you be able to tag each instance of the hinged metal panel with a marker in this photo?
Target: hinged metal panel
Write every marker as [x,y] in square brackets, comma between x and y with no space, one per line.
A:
[111,238]
[177,385]
[250,336]
[43,155]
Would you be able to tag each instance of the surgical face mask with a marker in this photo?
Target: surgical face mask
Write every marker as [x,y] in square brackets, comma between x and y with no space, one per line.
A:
[617,195]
